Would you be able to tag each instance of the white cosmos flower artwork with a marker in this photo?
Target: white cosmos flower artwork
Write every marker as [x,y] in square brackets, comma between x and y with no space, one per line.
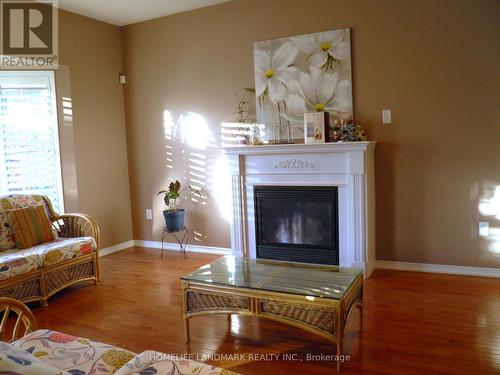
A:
[300,74]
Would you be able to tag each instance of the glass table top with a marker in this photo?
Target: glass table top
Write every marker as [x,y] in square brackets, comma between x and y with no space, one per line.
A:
[294,278]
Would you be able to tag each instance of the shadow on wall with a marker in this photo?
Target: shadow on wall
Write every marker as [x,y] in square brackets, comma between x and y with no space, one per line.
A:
[193,156]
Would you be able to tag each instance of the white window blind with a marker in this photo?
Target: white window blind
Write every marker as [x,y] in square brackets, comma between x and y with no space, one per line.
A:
[29,144]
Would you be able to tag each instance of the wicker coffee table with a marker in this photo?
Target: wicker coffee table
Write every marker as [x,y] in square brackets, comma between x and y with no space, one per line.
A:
[316,298]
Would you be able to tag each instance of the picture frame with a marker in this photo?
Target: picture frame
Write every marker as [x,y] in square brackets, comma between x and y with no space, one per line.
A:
[316,127]
[299,74]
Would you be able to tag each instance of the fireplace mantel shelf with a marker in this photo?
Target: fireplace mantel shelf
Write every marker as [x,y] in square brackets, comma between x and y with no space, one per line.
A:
[300,147]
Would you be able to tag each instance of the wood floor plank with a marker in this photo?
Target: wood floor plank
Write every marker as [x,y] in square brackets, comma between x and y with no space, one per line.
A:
[414,323]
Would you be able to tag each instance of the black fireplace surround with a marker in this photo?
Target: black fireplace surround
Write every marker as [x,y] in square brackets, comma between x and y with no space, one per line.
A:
[297,223]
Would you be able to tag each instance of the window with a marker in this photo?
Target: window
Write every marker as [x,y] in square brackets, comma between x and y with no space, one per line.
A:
[29,144]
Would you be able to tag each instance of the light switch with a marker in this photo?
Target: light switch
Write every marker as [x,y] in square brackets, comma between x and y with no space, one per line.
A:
[386,116]
[484,229]
[149,214]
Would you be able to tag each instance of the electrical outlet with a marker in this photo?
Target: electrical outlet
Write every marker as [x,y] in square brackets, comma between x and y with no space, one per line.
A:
[484,229]
[386,116]
[149,214]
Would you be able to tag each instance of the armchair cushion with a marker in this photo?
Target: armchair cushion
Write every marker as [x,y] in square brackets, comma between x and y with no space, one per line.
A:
[10,202]
[65,249]
[15,361]
[6,238]
[16,262]
[151,362]
[75,355]
[30,226]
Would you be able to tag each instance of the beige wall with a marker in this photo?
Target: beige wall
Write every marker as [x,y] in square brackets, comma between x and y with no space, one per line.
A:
[434,63]
[92,51]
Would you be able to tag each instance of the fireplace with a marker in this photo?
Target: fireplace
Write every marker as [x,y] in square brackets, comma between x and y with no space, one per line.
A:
[343,178]
[297,223]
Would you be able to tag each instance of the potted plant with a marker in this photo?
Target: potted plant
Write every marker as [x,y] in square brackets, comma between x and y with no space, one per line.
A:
[174,215]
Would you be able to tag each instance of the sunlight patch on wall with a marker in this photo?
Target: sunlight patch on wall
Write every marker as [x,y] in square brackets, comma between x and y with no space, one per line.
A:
[194,131]
[494,246]
[169,129]
[189,153]
[489,206]
[220,184]
[233,133]
[67,110]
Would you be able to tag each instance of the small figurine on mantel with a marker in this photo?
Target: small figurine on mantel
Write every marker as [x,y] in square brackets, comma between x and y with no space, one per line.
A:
[318,128]
[348,131]
[360,133]
[256,135]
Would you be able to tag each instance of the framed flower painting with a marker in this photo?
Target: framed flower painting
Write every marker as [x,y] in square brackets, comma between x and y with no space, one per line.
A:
[303,74]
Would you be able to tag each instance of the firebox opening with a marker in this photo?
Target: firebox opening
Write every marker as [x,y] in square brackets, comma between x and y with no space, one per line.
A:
[297,223]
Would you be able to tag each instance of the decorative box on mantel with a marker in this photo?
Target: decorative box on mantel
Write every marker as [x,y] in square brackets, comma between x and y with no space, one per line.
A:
[345,168]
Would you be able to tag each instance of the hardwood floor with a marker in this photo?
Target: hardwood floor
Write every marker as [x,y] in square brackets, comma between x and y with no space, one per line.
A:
[414,323]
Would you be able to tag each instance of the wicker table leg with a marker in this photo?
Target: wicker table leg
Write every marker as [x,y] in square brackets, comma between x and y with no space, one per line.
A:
[185,309]
[339,332]
[339,352]
[186,328]
[360,308]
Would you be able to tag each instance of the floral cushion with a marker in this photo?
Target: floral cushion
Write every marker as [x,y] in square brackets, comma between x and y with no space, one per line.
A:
[16,262]
[75,355]
[151,363]
[6,237]
[9,202]
[30,226]
[14,201]
[64,249]
[17,362]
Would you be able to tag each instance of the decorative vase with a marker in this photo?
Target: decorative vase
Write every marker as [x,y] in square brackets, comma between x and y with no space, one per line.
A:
[174,220]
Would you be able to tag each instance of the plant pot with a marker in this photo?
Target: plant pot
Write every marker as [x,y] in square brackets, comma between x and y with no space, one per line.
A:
[174,220]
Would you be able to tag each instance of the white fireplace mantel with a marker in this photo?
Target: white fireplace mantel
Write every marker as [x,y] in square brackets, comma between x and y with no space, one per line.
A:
[349,166]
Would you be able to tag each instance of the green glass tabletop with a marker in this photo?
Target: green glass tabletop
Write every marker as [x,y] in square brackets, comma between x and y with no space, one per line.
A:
[293,278]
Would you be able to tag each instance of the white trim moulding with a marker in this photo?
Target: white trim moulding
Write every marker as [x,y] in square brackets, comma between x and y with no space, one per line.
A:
[437,268]
[115,248]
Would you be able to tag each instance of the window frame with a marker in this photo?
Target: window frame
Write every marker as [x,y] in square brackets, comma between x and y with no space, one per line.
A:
[51,79]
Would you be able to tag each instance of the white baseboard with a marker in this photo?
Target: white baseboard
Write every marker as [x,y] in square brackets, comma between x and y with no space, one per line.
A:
[167,246]
[116,248]
[189,248]
[437,268]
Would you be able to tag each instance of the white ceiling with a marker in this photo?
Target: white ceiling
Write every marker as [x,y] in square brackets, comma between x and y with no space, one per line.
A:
[124,12]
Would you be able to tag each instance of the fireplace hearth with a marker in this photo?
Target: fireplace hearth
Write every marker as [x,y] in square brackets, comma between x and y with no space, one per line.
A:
[297,223]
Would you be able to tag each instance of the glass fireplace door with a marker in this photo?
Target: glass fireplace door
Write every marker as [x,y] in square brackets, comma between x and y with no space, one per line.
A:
[298,224]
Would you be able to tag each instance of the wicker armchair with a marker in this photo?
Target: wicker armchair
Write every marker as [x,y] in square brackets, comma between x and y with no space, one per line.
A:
[25,321]
[48,279]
